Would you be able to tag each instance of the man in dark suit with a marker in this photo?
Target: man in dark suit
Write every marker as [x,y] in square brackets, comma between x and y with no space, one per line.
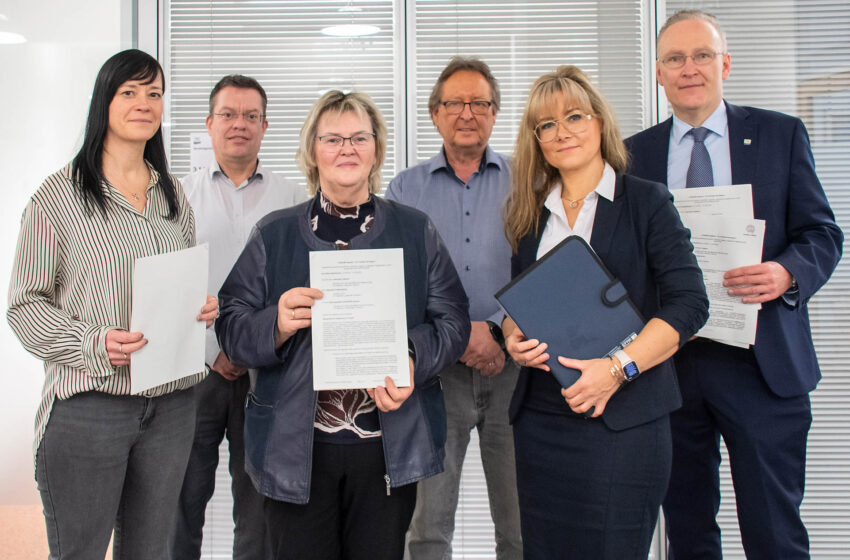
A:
[756,398]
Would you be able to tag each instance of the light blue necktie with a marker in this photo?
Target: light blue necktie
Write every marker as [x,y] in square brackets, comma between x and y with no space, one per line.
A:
[699,172]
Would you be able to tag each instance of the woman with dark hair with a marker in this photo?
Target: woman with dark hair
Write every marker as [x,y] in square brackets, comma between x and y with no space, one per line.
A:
[338,468]
[105,459]
[593,459]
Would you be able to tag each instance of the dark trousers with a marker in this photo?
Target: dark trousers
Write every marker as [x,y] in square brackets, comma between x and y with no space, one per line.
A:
[586,491]
[725,394]
[113,463]
[221,411]
[349,515]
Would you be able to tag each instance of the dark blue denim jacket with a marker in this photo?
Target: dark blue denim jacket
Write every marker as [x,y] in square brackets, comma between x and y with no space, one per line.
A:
[280,408]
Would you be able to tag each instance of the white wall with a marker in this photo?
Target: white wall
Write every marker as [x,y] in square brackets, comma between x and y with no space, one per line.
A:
[45,92]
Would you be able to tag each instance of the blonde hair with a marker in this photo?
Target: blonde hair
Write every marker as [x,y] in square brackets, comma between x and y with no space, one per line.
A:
[532,176]
[337,102]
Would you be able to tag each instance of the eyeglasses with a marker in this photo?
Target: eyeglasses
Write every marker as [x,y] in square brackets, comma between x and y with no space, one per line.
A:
[574,123]
[477,107]
[252,117]
[700,58]
[336,142]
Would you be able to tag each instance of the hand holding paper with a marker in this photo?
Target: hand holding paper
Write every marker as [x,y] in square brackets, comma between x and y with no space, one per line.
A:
[758,283]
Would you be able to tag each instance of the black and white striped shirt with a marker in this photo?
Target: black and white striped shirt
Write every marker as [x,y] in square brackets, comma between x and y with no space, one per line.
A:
[72,282]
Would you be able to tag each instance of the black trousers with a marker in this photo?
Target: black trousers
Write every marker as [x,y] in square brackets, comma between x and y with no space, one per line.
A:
[586,491]
[349,515]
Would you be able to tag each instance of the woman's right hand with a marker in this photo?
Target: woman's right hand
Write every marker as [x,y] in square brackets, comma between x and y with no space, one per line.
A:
[294,312]
[120,344]
[529,353]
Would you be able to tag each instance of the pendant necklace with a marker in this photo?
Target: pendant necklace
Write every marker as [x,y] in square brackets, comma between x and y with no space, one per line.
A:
[573,203]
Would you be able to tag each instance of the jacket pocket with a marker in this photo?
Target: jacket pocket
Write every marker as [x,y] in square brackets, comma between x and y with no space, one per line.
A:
[434,409]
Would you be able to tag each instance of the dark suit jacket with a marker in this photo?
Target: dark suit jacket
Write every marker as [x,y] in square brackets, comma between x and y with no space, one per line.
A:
[643,243]
[771,151]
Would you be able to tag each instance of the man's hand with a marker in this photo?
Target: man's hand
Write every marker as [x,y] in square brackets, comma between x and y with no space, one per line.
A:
[483,353]
[757,283]
[226,369]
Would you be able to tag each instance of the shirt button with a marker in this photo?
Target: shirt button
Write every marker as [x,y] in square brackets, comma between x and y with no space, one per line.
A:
[467,240]
[467,212]
[467,187]
[467,267]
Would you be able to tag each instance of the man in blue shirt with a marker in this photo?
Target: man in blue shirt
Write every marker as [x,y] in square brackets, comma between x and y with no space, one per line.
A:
[757,398]
[463,189]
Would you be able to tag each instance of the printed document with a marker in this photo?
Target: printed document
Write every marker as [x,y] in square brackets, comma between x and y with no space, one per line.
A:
[360,325]
[169,291]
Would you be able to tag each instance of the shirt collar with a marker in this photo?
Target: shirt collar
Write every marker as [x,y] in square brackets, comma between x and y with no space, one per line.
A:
[605,189]
[439,161]
[716,123]
[260,171]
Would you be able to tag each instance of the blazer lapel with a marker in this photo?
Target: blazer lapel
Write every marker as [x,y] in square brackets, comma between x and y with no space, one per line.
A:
[662,141]
[743,144]
[605,221]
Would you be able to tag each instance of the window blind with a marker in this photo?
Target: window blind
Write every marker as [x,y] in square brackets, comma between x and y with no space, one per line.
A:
[280,43]
[794,57]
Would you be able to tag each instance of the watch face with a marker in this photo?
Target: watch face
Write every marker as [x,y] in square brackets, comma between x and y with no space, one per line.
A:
[631,371]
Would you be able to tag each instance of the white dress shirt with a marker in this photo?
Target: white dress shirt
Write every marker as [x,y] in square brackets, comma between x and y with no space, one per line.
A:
[557,228]
[225,214]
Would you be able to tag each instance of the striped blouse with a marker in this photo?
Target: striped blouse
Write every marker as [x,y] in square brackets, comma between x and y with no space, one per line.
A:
[72,282]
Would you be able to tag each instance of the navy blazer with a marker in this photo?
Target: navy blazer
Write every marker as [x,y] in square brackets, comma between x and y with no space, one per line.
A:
[771,151]
[640,238]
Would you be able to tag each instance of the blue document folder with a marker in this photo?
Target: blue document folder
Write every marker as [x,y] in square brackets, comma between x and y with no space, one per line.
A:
[570,301]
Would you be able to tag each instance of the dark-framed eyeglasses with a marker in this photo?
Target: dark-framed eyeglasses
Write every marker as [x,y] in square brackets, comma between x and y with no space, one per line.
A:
[700,58]
[477,107]
[336,142]
[252,117]
[574,123]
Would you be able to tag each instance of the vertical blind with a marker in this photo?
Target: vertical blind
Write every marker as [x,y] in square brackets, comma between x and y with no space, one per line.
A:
[519,41]
[281,44]
[794,57]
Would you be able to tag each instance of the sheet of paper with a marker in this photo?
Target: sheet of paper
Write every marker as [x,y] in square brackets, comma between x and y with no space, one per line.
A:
[168,293]
[720,244]
[360,325]
[730,200]
[200,151]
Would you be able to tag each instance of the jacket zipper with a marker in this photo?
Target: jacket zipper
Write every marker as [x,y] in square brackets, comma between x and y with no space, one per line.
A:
[387,480]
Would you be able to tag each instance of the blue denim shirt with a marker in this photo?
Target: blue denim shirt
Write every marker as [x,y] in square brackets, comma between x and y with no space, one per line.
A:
[469,219]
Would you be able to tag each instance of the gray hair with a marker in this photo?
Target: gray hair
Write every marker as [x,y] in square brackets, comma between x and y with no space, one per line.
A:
[468,64]
[683,15]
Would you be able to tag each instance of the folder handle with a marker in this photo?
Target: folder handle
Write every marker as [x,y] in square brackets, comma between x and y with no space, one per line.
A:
[614,293]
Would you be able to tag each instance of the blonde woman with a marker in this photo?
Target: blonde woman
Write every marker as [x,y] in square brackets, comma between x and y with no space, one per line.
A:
[593,459]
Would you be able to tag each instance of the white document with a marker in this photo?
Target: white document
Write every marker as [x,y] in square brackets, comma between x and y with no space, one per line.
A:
[168,293]
[720,244]
[731,200]
[200,151]
[360,325]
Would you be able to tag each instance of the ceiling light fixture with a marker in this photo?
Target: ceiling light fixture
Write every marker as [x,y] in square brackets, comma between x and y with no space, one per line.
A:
[350,29]
[9,38]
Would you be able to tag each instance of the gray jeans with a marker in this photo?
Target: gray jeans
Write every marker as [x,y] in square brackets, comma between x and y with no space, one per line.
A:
[472,401]
[113,462]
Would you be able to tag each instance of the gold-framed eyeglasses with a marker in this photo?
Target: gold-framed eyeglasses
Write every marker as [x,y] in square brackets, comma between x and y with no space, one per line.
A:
[336,142]
[252,117]
[456,107]
[574,123]
[700,58]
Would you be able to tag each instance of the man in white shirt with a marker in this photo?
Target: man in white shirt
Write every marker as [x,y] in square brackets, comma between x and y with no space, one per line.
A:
[228,198]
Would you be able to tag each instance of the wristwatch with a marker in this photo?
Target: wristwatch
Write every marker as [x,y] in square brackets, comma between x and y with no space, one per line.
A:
[628,365]
[496,333]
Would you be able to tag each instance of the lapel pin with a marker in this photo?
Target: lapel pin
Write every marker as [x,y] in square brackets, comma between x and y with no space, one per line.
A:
[747,141]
